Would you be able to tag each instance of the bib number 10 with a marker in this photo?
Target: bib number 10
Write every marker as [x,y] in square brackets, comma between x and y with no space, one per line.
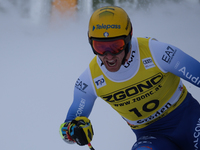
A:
[145,107]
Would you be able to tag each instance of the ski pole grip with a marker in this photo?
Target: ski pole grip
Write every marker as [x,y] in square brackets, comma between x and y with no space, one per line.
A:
[90,146]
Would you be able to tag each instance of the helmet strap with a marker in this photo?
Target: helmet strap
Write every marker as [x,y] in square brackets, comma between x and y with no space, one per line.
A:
[127,49]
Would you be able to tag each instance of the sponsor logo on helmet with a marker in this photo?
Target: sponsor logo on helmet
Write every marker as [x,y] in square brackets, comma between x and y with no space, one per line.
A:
[93,28]
[108,26]
[106,34]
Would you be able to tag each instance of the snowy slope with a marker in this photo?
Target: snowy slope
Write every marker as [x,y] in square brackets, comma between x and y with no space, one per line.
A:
[39,66]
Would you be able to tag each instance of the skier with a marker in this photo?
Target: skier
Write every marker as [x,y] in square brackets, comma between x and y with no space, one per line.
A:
[140,79]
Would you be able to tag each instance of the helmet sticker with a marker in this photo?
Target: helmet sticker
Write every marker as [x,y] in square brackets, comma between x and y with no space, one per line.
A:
[93,28]
[108,26]
[106,34]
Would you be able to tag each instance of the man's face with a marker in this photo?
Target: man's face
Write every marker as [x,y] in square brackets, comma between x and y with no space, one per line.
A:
[112,63]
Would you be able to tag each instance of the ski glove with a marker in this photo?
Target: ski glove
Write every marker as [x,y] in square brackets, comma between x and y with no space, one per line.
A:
[78,130]
[64,133]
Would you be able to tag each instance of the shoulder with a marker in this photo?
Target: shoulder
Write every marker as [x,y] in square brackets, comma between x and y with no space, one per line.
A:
[84,83]
[162,51]
[164,54]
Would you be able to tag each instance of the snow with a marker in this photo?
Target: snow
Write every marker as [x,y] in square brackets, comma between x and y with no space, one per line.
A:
[40,64]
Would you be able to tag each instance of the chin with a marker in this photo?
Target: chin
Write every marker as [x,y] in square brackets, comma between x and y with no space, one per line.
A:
[114,69]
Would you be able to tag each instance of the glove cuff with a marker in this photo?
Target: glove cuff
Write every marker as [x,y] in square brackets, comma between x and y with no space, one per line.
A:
[64,132]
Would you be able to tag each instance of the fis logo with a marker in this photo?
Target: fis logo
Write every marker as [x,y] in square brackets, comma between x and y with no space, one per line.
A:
[108,26]
[99,82]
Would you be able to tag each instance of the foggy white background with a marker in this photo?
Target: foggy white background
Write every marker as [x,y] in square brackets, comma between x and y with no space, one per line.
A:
[40,64]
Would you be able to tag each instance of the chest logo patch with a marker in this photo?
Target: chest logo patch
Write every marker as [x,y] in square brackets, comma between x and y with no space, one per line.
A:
[148,63]
[99,81]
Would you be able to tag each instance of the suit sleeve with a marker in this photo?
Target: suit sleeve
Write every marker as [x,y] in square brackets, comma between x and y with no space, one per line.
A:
[84,97]
[172,59]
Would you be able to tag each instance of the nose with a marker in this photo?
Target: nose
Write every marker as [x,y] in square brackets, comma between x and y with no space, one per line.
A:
[109,56]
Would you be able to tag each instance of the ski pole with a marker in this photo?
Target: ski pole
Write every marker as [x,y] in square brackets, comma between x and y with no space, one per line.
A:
[90,146]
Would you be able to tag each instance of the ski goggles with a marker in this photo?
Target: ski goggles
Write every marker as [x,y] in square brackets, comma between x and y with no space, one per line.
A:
[113,46]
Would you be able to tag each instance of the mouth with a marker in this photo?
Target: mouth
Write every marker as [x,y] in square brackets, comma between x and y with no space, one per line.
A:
[111,63]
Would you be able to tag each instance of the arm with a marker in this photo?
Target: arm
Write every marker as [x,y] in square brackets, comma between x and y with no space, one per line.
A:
[171,59]
[77,127]
[84,97]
